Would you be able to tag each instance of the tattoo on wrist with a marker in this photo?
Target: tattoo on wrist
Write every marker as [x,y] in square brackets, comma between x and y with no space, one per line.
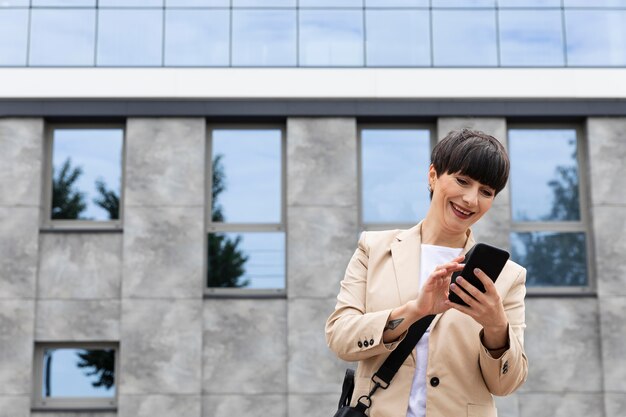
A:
[392,324]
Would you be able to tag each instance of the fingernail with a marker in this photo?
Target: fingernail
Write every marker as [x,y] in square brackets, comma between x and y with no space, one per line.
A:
[458,279]
[476,270]
[452,286]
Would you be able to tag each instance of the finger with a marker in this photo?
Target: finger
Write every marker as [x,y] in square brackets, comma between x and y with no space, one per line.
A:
[474,292]
[486,281]
[469,300]
[460,307]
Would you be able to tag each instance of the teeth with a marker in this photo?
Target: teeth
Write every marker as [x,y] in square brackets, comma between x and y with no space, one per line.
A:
[467,213]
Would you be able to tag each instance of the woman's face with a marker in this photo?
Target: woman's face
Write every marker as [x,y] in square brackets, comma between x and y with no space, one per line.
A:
[458,200]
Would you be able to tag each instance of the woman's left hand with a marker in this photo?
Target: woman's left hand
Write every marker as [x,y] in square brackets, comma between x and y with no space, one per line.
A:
[486,308]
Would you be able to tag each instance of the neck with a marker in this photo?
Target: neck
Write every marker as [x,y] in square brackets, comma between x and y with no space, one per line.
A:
[433,234]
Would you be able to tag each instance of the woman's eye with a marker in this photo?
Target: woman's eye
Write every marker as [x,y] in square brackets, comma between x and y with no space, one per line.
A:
[461,181]
[487,193]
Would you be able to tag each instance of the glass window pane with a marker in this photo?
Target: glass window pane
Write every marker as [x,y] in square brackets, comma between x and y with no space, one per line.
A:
[529,3]
[197,3]
[264,37]
[596,37]
[87,171]
[331,3]
[544,175]
[78,373]
[130,37]
[397,3]
[246,260]
[66,3]
[14,3]
[62,37]
[394,174]
[398,37]
[130,3]
[464,3]
[331,38]
[13,36]
[551,259]
[247,166]
[595,3]
[531,38]
[197,37]
[264,3]
[464,37]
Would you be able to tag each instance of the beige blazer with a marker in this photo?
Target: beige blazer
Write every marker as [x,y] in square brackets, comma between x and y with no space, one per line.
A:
[383,274]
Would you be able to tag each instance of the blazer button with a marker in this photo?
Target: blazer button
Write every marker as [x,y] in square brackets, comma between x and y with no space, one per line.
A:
[434,381]
[365,343]
[360,344]
[371,342]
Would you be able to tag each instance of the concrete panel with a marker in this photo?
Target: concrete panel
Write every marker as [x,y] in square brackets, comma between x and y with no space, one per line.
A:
[562,341]
[165,162]
[320,242]
[607,152]
[74,320]
[313,367]
[15,406]
[161,347]
[163,252]
[244,405]
[244,347]
[494,227]
[19,235]
[314,405]
[80,265]
[615,404]
[21,153]
[612,313]
[160,405]
[16,346]
[508,406]
[561,405]
[322,157]
[609,224]
[73,414]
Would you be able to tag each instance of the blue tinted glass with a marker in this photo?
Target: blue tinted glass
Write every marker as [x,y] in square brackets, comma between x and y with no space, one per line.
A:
[264,3]
[394,171]
[78,373]
[596,37]
[551,259]
[130,37]
[197,3]
[463,3]
[130,3]
[264,37]
[398,37]
[331,3]
[14,3]
[249,165]
[331,38]
[595,3]
[544,175]
[531,38]
[397,3]
[62,37]
[87,171]
[529,3]
[247,260]
[197,37]
[66,3]
[464,38]
[13,36]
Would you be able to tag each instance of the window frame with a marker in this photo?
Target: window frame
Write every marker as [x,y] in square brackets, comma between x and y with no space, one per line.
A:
[582,226]
[49,224]
[68,403]
[430,127]
[216,227]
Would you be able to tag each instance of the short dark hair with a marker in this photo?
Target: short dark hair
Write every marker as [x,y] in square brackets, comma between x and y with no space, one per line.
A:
[475,154]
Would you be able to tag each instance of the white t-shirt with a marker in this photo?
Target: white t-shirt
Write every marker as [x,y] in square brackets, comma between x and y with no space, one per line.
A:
[431,256]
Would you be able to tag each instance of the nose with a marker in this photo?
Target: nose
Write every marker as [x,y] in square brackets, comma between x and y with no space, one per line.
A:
[470,197]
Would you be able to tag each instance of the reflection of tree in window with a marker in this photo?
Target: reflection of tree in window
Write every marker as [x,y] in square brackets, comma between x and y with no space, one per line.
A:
[226,261]
[68,202]
[99,363]
[557,258]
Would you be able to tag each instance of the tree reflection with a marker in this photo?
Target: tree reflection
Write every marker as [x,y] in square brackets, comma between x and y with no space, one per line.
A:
[100,363]
[226,260]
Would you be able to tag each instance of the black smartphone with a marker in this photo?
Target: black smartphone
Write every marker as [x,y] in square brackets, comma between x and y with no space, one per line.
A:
[489,259]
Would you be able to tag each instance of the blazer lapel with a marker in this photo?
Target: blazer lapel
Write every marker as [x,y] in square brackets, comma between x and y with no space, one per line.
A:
[405,252]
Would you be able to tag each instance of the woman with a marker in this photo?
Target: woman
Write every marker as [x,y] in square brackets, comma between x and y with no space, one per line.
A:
[397,277]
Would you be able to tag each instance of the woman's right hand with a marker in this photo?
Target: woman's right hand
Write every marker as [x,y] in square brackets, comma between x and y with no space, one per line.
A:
[434,292]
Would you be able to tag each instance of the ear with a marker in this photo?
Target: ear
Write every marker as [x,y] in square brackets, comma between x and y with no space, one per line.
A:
[432,174]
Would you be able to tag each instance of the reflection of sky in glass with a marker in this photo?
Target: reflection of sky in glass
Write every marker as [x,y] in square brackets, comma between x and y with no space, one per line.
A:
[99,153]
[595,3]
[463,3]
[531,38]
[398,37]
[66,3]
[62,36]
[464,37]
[68,380]
[264,3]
[394,172]
[331,3]
[331,37]
[397,3]
[252,164]
[130,3]
[13,36]
[596,38]
[529,3]
[197,3]
[265,267]
[14,3]
[129,37]
[197,37]
[264,37]
[535,155]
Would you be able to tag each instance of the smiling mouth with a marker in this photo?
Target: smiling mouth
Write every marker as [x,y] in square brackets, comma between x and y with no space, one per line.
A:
[462,213]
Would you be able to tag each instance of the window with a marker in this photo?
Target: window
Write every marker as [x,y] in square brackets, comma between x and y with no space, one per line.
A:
[246,234]
[75,376]
[394,165]
[84,182]
[549,215]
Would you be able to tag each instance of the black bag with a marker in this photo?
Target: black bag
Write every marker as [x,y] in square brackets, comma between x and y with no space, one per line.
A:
[382,378]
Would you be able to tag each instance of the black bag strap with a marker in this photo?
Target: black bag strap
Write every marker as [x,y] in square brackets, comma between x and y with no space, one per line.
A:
[347,389]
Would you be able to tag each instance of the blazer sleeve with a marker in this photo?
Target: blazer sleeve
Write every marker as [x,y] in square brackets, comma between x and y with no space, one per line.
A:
[508,372]
[351,332]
